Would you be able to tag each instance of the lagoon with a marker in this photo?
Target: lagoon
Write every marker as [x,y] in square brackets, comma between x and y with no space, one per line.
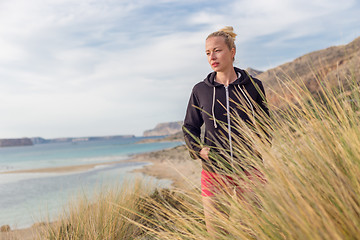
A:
[30,197]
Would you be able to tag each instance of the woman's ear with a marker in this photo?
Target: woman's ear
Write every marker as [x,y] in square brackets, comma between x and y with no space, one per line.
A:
[233,52]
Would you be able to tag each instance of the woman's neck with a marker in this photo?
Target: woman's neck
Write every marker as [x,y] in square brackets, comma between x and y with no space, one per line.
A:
[227,77]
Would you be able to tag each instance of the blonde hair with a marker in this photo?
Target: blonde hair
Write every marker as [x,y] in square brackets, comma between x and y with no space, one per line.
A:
[228,34]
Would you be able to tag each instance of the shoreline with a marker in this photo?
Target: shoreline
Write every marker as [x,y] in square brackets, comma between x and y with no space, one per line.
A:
[173,164]
[64,169]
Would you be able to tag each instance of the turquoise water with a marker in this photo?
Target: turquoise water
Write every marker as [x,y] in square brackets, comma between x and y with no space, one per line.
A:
[27,198]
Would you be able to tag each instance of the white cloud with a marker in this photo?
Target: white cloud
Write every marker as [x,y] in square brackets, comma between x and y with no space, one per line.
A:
[264,17]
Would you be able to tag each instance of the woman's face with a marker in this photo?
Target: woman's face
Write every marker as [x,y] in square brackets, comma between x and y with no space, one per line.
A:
[219,56]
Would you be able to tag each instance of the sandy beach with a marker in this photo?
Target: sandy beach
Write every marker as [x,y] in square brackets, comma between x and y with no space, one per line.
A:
[174,164]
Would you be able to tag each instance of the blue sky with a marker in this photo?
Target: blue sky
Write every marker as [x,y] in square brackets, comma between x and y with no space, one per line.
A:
[90,68]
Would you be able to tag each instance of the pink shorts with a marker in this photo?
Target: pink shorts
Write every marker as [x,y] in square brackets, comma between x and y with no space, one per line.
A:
[214,183]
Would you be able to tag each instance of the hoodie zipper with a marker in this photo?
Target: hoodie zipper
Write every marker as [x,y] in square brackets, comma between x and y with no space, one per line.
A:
[229,124]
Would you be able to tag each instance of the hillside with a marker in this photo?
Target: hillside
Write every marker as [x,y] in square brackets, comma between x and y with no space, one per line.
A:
[333,63]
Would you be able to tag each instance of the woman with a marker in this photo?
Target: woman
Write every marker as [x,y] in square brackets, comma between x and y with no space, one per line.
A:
[213,102]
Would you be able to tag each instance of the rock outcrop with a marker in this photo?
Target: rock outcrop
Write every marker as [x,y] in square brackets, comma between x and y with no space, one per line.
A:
[164,129]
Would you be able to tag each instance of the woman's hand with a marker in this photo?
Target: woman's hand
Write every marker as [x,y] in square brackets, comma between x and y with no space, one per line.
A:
[204,153]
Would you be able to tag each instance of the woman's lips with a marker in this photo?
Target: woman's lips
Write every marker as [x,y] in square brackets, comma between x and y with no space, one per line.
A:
[215,64]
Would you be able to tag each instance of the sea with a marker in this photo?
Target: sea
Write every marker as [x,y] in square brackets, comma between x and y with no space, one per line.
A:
[28,198]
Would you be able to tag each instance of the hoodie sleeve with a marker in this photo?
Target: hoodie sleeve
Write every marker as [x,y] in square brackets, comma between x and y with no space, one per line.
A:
[192,126]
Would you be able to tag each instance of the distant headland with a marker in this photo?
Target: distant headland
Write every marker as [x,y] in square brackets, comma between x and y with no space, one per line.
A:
[14,142]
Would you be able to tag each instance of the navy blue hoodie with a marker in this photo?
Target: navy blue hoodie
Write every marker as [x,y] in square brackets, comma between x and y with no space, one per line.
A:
[210,103]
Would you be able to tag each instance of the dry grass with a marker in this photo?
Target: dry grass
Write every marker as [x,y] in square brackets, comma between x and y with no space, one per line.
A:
[312,169]
[106,217]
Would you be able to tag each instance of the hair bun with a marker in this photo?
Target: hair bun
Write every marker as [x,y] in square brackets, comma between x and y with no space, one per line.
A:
[229,30]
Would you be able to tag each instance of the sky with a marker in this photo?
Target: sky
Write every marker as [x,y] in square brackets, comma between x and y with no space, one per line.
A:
[74,68]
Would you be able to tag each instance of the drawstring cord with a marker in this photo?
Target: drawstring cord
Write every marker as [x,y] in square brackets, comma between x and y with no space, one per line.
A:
[213,106]
[214,119]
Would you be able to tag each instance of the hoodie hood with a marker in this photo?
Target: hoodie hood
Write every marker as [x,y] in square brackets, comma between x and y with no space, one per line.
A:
[242,80]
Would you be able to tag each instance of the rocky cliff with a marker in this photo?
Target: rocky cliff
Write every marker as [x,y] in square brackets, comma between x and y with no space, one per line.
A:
[163,129]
